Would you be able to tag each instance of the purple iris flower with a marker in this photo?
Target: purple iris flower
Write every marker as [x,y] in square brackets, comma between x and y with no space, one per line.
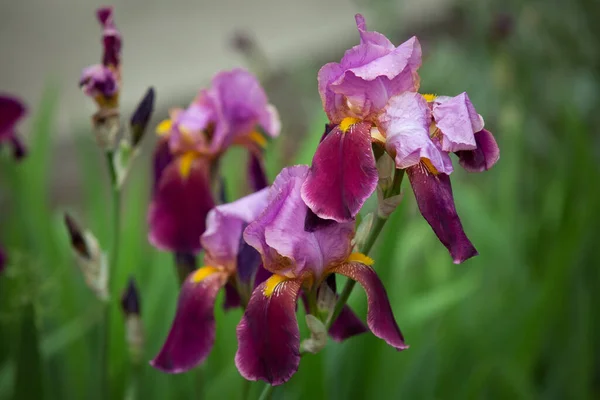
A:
[233,111]
[372,97]
[268,334]
[11,111]
[102,81]
[231,265]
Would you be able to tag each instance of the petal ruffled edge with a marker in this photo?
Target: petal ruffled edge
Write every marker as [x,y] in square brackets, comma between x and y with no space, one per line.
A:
[484,156]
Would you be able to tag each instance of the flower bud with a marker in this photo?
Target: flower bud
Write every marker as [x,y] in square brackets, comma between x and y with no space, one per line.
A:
[91,261]
[134,329]
[318,335]
[140,118]
[387,205]
[385,169]
[106,127]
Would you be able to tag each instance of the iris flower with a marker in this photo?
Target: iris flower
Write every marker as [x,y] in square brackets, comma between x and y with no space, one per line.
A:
[233,111]
[371,97]
[299,259]
[231,265]
[102,81]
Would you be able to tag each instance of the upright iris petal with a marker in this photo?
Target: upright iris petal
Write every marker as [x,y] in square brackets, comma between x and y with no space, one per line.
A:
[193,331]
[343,173]
[111,38]
[12,110]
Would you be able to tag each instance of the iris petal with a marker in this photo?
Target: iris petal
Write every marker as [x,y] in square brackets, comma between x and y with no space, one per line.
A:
[484,156]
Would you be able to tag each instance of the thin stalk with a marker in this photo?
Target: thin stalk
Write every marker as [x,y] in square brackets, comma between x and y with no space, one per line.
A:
[266,393]
[114,256]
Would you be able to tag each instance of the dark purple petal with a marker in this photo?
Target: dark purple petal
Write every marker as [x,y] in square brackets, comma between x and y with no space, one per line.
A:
[11,111]
[268,334]
[435,201]
[111,37]
[99,82]
[179,207]
[248,261]
[192,334]
[346,325]
[232,297]
[328,128]
[279,235]
[19,149]
[161,159]
[130,300]
[312,222]
[380,317]
[256,173]
[343,174]
[484,156]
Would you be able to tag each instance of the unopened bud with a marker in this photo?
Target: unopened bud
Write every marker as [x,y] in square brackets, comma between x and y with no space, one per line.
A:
[134,329]
[91,261]
[106,127]
[318,335]
[140,118]
[362,232]
[385,169]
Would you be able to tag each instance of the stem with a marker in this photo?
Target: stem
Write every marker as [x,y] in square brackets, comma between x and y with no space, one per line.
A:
[114,256]
[376,228]
[185,264]
[266,393]
[245,390]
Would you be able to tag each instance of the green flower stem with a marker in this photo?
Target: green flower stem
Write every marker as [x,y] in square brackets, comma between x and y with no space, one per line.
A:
[266,393]
[114,256]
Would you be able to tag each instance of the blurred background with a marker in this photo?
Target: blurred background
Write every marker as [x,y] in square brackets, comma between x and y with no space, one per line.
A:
[520,321]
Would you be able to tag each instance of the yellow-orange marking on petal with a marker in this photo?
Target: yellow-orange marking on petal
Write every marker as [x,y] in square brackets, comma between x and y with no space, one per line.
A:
[185,163]
[272,284]
[203,273]
[164,127]
[361,258]
[347,123]
[427,163]
[429,97]
[258,138]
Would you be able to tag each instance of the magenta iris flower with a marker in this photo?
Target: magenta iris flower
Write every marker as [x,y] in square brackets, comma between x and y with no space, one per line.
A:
[371,97]
[11,111]
[233,111]
[268,334]
[231,265]
[102,81]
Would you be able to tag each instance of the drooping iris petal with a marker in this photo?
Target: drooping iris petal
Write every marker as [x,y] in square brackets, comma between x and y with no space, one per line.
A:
[161,159]
[405,123]
[484,156]
[11,111]
[193,331]
[179,207]
[276,234]
[111,37]
[343,174]
[256,173]
[458,121]
[436,203]
[225,224]
[379,315]
[268,334]
[346,325]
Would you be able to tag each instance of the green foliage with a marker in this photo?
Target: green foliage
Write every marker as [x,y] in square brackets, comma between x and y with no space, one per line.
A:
[519,321]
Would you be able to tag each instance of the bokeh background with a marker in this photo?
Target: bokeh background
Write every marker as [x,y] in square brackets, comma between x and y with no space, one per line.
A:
[520,321]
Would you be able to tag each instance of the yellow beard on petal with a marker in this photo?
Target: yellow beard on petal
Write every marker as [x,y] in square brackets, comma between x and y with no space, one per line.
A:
[272,283]
[258,138]
[347,123]
[361,258]
[429,97]
[203,273]
[427,163]
[164,127]
[185,163]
